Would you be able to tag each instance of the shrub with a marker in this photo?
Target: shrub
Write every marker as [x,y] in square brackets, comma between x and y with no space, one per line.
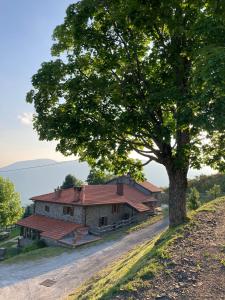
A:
[35,245]
[193,199]
[214,192]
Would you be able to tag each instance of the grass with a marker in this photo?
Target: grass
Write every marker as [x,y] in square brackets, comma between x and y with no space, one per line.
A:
[9,244]
[13,234]
[147,222]
[133,270]
[33,251]
[107,281]
[35,254]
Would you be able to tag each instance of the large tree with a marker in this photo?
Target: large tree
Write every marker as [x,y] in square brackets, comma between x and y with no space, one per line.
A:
[144,76]
[10,205]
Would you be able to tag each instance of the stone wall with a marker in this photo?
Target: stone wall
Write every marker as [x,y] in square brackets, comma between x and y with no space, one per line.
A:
[88,215]
[56,211]
[93,213]
[50,242]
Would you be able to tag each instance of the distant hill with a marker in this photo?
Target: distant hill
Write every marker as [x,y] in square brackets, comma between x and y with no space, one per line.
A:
[39,180]
[36,181]
[203,183]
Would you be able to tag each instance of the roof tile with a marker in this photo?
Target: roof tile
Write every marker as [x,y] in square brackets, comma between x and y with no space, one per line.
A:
[149,186]
[97,195]
[49,227]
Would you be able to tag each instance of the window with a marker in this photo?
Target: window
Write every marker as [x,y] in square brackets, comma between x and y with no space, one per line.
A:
[115,208]
[68,210]
[103,221]
[47,208]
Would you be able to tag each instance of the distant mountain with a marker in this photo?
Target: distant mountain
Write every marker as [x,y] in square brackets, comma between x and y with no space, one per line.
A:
[35,177]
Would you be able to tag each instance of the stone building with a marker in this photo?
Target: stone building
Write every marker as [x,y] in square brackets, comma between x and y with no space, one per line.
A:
[68,215]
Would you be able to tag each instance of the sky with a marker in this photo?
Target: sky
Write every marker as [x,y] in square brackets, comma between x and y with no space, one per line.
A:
[26,28]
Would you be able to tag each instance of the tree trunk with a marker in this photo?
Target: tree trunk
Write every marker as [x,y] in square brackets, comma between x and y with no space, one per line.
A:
[177,196]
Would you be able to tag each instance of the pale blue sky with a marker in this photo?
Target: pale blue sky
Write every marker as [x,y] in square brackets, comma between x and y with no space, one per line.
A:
[26,28]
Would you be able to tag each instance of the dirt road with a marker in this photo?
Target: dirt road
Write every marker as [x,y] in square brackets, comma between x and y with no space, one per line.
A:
[68,271]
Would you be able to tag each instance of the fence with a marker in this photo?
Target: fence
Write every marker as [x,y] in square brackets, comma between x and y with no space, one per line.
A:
[8,228]
[107,228]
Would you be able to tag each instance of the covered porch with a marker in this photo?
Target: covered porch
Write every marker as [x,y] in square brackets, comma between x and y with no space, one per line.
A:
[54,232]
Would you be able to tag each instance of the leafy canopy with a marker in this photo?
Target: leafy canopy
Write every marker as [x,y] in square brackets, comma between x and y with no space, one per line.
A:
[143,76]
[97,176]
[10,205]
[71,181]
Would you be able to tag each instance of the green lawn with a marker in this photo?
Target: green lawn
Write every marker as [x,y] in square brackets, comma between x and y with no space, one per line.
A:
[13,234]
[36,254]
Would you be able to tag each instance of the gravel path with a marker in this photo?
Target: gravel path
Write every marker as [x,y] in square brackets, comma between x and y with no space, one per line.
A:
[68,271]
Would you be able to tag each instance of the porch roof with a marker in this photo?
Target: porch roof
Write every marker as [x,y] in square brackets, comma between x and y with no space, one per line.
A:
[141,207]
[49,227]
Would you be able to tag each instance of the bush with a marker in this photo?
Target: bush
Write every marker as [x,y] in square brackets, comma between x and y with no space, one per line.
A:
[35,245]
[214,192]
[193,199]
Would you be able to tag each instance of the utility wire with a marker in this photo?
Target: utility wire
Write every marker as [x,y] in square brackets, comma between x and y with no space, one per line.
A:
[35,167]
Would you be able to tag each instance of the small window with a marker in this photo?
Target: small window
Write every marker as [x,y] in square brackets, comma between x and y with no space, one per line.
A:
[115,208]
[103,221]
[47,208]
[68,210]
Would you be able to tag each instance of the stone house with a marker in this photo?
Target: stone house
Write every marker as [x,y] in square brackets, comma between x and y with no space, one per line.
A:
[69,214]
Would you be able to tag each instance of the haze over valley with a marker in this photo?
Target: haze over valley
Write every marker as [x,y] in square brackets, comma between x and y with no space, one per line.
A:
[40,176]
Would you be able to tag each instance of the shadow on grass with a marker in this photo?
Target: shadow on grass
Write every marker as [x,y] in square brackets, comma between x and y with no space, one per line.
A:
[155,257]
[147,266]
[139,264]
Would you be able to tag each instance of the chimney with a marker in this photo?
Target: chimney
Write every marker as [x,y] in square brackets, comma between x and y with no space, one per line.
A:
[77,193]
[82,194]
[120,188]
[58,192]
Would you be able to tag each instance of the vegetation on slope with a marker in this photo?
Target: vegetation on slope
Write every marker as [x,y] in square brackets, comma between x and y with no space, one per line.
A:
[204,183]
[136,275]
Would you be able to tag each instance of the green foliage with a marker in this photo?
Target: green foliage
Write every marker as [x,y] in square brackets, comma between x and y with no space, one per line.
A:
[215,191]
[97,176]
[203,183]
[29,210]
[143,76]
[10,205]
[33,246]
[71,181]
[193,199]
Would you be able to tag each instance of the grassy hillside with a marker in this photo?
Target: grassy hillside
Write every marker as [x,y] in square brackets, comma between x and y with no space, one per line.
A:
[160,268]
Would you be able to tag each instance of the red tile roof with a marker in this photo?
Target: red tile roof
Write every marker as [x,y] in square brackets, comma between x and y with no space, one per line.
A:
[97,195]
[49,227]
[149,186]
[138,206]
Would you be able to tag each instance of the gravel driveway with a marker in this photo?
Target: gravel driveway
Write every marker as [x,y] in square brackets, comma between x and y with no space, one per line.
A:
[22,281]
